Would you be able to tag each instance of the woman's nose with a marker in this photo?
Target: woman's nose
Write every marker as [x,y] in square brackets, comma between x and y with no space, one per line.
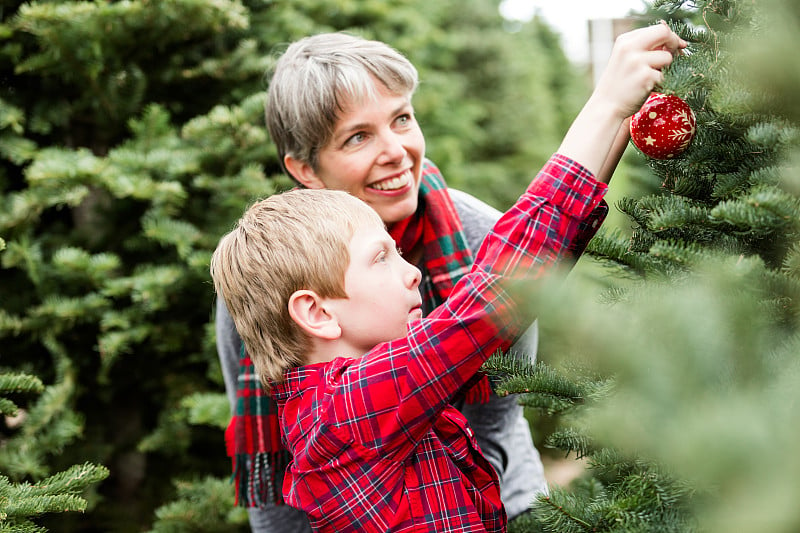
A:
[392,149]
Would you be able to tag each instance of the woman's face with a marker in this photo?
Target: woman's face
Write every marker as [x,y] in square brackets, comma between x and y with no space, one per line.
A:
[375,154]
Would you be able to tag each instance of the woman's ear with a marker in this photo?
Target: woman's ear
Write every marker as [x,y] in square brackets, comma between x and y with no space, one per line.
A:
[307,310]
[302,172]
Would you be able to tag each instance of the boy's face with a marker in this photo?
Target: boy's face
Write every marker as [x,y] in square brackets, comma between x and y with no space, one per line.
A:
[382,292]
[376,155]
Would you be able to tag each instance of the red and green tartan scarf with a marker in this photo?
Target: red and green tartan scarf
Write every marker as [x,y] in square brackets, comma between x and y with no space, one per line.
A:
[253,436]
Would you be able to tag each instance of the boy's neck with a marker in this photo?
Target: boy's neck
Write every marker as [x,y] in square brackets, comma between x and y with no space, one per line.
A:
[325,351]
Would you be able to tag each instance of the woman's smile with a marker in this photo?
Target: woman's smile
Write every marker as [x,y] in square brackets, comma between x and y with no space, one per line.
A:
[395,183]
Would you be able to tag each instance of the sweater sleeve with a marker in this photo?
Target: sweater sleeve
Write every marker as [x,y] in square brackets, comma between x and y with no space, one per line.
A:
[229,348]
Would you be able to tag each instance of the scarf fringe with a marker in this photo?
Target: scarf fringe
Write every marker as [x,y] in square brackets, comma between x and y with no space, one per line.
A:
[254,474]
[254,478]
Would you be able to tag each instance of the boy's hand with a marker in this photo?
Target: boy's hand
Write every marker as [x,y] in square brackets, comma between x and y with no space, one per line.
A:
[633,71]
[634,68]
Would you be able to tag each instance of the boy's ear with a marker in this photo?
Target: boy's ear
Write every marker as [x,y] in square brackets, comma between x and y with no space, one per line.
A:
[307,310]
[302,172]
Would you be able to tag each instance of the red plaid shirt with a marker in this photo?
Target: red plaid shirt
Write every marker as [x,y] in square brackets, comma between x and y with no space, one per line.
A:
[376,446]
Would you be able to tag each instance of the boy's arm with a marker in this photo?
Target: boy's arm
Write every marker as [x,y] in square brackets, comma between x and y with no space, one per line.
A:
[633,71]
[616,152]
[390,400]
[633,67]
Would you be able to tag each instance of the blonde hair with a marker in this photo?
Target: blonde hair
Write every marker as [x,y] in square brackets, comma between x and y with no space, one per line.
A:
[285,243]
[316,77]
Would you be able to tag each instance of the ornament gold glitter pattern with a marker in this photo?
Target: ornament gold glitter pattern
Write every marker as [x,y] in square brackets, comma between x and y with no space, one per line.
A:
[664,126]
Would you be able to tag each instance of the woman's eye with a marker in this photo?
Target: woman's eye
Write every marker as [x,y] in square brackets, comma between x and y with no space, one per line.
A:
[356,139]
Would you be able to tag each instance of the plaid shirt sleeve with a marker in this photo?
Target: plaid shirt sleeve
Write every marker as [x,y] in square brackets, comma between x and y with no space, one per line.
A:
[389,398]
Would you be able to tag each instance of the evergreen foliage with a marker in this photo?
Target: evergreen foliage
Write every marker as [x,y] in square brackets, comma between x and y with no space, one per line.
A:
[55,494]
[43,429]
[204,505]
[698,328]
[131,138]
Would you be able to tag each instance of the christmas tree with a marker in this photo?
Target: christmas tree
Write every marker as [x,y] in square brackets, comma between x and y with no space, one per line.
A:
[678,381]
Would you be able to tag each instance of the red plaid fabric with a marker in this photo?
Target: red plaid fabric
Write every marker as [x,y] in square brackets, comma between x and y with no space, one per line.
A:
[376,444]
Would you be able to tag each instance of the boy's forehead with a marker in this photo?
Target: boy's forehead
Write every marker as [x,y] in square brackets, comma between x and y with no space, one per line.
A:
[371,232]
[371,221]
[361,214]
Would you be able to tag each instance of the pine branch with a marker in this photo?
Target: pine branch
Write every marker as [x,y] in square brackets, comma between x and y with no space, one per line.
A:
[690,255]
[45,428]
[58,493]
[539,385]
[762,212]
[565,512]
[63,313]
[571,440]
[71,263]
[20,383]
[178,233]
[618,250]
[119,336]
[202,506]
[666,212]
[208,409]
[20,526]
[49,422]
[73,480]
[791,263]
[150,287]
[17,383]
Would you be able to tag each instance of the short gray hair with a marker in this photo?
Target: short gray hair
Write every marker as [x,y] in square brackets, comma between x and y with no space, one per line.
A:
[316,77]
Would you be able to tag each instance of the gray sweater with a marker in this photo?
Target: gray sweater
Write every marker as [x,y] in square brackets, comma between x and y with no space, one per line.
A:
[500,428]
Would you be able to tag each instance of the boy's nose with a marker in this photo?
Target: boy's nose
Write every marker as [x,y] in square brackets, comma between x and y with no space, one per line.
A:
[414,276]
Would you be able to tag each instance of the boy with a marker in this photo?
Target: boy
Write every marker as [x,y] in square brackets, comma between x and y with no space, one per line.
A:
[330,314]
[340,113]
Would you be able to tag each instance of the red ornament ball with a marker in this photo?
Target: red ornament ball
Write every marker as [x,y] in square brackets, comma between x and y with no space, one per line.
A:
[664,127]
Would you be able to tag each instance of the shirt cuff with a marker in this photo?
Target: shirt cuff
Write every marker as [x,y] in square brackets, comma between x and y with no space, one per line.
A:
[569,185]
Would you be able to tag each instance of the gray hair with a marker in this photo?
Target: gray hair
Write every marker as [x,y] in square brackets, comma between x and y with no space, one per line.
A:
[316,77]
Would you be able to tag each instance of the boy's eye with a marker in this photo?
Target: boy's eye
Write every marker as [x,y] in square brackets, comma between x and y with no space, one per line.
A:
[403,120]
